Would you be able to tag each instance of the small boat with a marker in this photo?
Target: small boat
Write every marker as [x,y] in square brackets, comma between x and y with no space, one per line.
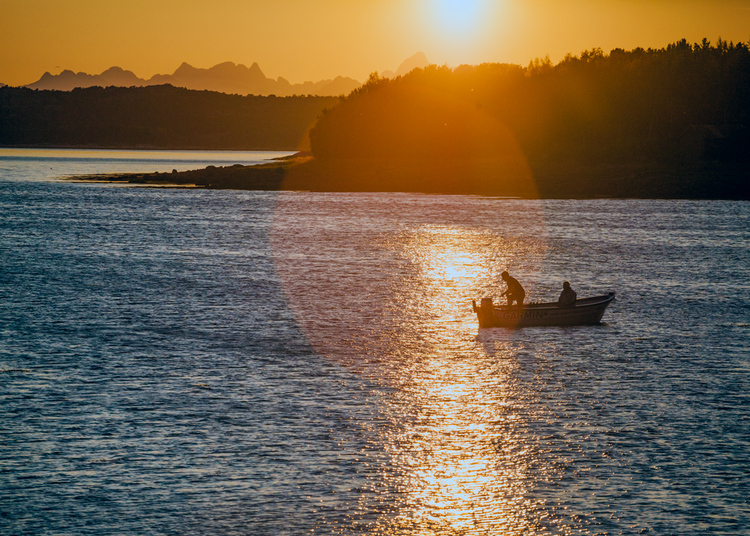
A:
[585,311]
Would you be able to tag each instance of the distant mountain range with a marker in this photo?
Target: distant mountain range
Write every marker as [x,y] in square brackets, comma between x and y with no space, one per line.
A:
[225,78]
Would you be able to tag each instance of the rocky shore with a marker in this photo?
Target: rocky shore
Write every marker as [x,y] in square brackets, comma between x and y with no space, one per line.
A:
[483,177]
[268,176]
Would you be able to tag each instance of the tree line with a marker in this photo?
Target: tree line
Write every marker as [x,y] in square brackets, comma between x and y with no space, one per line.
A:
[160,117]
[631,103]
[682,109]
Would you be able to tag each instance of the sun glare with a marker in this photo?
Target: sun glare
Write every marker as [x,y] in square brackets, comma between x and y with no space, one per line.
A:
[459,16]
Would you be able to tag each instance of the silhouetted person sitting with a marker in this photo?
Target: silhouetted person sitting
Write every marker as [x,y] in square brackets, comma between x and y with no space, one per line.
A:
[515,291]
[567,296]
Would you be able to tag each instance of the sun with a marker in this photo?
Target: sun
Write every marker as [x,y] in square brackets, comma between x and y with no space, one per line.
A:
[459,16]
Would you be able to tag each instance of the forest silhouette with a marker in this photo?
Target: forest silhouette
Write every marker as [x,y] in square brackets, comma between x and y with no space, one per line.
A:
[156,117]
[666,123]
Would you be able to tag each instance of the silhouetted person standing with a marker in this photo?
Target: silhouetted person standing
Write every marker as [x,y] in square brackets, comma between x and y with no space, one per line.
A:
[515,291]
[567,296]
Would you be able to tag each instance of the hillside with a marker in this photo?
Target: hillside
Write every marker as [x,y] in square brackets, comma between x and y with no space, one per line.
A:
[664,122]
[159,117]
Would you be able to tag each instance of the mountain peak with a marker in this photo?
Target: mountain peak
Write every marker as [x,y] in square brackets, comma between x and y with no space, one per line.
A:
[226,66]
[184,69]
[417,61]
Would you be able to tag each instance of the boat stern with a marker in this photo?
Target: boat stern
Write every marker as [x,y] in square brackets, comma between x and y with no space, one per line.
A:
[485,312]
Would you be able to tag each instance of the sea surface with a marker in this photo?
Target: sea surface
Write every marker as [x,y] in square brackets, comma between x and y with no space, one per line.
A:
[182,361]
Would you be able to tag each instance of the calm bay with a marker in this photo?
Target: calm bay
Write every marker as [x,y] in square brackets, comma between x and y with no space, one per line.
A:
[179,361]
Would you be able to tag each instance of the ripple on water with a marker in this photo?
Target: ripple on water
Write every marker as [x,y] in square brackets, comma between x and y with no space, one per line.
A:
[250,362]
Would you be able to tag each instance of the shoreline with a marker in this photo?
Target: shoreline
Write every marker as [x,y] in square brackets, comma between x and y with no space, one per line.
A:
[300,171]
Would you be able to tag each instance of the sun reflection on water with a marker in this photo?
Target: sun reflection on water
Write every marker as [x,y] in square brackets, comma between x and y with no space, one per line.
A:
[457,406]
[455,422]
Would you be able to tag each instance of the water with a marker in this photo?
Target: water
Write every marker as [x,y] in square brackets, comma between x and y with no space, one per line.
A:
[224,362]
[45,164]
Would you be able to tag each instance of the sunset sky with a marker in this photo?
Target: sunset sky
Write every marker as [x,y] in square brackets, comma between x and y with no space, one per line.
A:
[317,39]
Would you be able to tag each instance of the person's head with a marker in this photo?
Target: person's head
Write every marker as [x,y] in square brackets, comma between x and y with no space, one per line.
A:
[505,275]
[566,285]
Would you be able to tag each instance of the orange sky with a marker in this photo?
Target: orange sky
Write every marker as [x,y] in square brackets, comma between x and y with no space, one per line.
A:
[316,39]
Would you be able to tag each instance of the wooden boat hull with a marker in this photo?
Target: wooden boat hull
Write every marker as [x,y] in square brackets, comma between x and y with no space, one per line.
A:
[586,311]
